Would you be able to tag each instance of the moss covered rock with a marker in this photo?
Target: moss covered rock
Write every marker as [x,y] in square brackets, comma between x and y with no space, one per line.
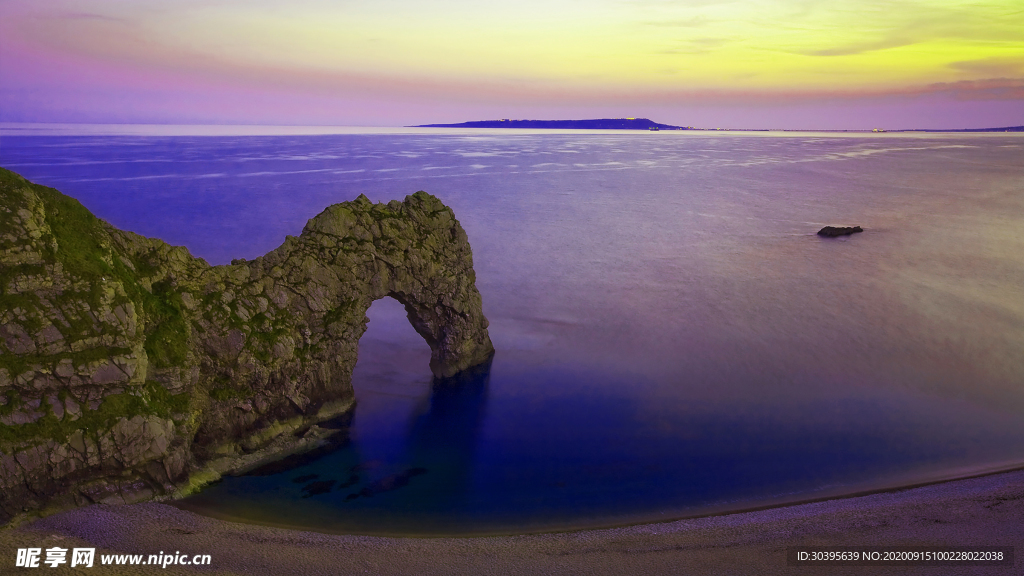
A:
[130,368]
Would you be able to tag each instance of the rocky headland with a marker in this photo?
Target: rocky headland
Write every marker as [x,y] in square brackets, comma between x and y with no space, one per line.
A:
[131,370]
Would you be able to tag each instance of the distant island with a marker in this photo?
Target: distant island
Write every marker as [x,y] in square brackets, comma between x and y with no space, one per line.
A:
[646,124]
[1003,129]
[597,124]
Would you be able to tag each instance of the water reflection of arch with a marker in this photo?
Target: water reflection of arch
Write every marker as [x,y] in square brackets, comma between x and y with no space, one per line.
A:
[443,439]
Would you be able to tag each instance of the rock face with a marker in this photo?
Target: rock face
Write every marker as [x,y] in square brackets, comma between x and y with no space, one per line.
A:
[130,369]
[833,231]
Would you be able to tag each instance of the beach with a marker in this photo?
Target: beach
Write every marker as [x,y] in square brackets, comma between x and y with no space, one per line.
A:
[981,511]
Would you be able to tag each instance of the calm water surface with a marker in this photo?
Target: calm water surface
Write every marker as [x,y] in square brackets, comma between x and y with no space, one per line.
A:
[672,338]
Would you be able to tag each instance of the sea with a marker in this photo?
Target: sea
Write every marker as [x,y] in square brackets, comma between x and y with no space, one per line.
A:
[672,337]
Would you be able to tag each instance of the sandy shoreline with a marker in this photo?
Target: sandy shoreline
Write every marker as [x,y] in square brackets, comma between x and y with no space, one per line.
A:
[985,511]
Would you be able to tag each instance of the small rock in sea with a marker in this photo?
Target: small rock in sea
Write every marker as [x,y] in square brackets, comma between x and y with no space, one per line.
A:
[833,231]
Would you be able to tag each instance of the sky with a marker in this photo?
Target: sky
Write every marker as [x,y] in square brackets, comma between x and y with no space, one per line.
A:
[796,64]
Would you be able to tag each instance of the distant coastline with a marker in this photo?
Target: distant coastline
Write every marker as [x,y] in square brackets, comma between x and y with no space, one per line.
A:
[595,124]
[1003,129]
[13,129]
[647,124]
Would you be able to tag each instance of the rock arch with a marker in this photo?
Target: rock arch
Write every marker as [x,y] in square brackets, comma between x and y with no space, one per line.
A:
[415,252]
[129,368]
[320,285]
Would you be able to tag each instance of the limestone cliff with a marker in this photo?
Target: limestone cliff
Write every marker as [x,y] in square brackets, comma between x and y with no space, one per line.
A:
[130,369]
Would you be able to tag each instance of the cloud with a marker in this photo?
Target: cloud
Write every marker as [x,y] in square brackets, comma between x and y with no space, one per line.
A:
[686,4]
[861,48]
[87,16]
[886,27]
[991,89]
[695,22]
[988,89]
[993,67]
[696,46]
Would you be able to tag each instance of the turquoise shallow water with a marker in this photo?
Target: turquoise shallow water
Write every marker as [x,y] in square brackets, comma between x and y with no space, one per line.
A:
[672,338]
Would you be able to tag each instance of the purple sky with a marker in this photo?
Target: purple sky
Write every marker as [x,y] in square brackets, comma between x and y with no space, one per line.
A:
[781,64]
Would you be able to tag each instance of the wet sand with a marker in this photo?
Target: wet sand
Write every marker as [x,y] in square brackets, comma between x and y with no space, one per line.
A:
[987,510]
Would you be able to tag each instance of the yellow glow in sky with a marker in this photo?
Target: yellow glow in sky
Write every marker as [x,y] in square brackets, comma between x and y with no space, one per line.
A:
[607,51]
[781,45]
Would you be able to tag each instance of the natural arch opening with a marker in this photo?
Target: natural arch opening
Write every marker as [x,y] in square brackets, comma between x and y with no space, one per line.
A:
[391,381]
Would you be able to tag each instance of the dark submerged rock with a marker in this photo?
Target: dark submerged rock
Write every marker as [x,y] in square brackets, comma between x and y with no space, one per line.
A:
[130,369]
[833,231]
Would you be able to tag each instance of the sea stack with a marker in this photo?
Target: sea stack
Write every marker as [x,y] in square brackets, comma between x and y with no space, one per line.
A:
[130,369]
[833,231]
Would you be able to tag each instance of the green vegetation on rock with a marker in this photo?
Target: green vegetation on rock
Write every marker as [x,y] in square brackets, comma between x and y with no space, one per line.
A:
[124,358]
[150,399]
[167,341]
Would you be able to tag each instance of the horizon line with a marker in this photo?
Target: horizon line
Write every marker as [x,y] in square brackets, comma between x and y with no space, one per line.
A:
[238,129]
